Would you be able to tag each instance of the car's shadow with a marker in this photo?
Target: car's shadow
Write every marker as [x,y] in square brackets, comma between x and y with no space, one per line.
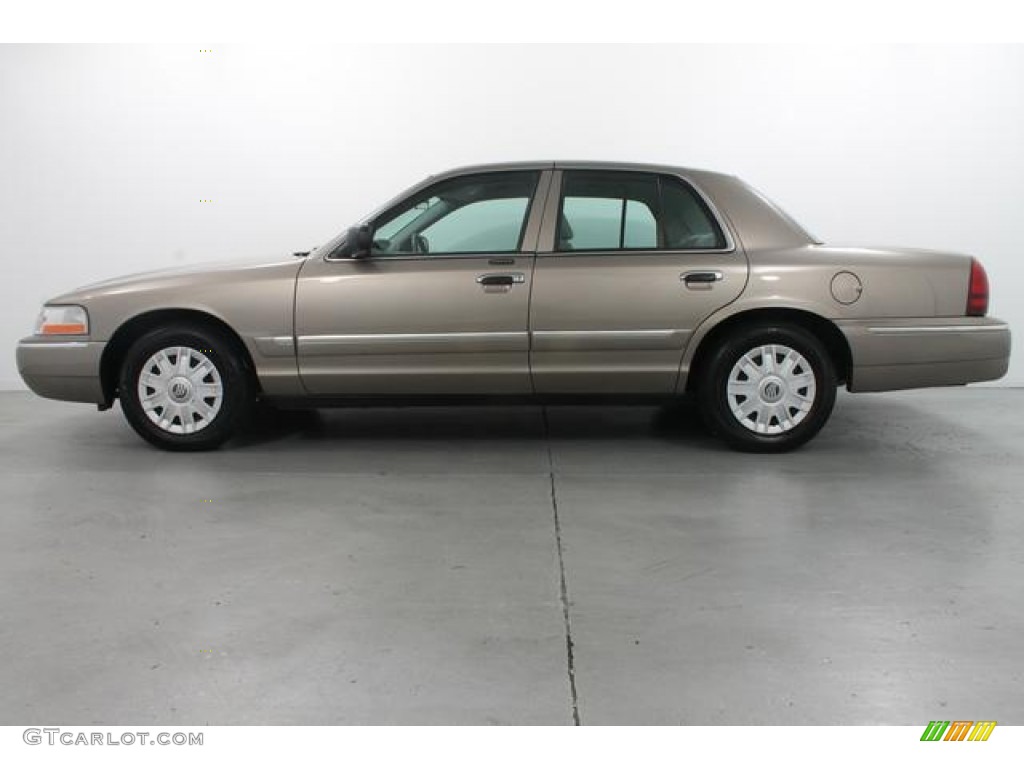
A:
[678,422]
[878,431]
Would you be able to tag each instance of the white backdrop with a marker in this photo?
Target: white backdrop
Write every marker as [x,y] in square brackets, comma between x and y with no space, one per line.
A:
[107,151]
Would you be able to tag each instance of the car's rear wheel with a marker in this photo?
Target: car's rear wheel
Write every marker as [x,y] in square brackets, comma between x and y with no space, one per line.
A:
[184,388]
[768,388]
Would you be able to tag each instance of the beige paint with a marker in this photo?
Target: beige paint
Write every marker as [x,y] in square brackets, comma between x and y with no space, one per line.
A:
[579,323]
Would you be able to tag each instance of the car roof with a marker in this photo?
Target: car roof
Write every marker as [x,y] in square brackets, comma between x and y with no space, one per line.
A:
[605,165]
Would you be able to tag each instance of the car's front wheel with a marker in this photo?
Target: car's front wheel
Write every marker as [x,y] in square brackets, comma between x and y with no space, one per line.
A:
[768,388]
[184,388]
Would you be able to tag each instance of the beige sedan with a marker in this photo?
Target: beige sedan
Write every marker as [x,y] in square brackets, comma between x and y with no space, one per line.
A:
[526,283]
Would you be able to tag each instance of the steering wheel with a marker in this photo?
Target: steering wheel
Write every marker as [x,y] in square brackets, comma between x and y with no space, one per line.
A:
[419,244]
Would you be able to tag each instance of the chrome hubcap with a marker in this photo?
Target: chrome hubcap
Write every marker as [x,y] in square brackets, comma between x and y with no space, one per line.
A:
[771,389]
[180,390]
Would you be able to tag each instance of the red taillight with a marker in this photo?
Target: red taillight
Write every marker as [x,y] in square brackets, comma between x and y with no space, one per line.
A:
[977,290]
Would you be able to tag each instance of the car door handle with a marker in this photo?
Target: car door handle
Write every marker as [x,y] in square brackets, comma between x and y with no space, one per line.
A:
[701,277]
[510,278]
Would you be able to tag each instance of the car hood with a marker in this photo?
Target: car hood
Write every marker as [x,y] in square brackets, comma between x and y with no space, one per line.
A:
[174,276]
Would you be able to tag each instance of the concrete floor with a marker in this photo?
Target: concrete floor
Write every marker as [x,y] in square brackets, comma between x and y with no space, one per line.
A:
[408,566]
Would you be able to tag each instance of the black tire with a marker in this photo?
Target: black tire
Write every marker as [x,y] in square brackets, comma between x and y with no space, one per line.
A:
[786,427]
[237,390]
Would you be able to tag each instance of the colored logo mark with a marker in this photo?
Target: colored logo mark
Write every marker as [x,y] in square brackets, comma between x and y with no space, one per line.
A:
[958,730]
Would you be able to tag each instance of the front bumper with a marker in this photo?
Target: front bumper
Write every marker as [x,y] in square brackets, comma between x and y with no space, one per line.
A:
[907,353]
[62,369]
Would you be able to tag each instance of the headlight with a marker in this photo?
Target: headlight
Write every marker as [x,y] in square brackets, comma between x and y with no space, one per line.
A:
[67,320]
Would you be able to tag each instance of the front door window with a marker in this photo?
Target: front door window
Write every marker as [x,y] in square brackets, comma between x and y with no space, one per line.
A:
[485,213]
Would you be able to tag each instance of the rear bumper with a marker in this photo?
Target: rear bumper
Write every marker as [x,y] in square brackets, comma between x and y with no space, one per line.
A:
[926,352]
[62,370]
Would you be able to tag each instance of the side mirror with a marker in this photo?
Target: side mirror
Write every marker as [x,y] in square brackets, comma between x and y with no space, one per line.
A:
[359,242]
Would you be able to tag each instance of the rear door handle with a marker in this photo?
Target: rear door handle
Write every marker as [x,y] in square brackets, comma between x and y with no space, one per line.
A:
[501,279]
[701,277]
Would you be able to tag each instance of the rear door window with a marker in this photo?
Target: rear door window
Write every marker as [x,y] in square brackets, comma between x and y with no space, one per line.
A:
[612,211]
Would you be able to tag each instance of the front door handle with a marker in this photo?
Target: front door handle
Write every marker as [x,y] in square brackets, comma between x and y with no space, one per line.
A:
[510,278]
[701,277]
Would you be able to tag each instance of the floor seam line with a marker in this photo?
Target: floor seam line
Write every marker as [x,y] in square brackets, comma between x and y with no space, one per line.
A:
[563,585]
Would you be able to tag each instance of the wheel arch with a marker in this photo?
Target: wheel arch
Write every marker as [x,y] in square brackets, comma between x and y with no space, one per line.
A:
[825,330]
[133,328]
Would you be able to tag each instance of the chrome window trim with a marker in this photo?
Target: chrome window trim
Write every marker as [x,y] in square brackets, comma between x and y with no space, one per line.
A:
[438,257]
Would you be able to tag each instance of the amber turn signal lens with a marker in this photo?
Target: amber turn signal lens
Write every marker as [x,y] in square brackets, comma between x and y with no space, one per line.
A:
[63,328]
[65,320]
